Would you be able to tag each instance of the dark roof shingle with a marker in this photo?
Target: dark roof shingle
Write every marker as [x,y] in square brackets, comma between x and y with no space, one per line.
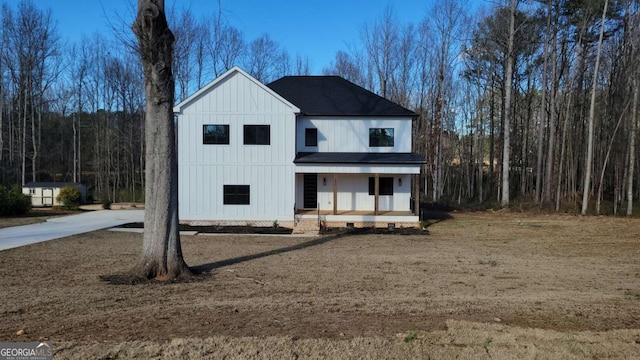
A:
[334,96]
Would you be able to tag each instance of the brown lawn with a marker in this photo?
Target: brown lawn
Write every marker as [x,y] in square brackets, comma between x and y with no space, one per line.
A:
[480,285]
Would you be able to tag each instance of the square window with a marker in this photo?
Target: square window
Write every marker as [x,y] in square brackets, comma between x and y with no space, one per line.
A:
[32,191]
[215,134]
[310,137]
[385,186]
[236,195]
[381,137]
[257,134]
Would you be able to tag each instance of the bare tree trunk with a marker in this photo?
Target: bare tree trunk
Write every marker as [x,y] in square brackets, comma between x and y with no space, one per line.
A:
[24,139]
[162,252]
[34,142]
[562,151]
[79,149]
[606,161]
[481,168]
[1,112]
[592,108]
[543,110]
[507,109]
[552,122]
[142,151]
[75,149]
[632,148]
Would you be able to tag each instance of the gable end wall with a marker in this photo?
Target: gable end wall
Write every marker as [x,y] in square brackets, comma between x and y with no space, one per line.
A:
[203,170]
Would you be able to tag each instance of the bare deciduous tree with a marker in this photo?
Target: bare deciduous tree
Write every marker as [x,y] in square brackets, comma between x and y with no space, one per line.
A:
[345,66]
[445,24]
[632,146]
[589,157]
[263,59]
[507,108]
[381,41]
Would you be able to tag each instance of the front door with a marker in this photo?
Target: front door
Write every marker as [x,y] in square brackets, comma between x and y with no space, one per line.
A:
[310,191]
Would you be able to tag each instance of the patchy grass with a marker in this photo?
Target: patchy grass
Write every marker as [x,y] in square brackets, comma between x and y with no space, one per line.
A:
[487,341]
[410,336]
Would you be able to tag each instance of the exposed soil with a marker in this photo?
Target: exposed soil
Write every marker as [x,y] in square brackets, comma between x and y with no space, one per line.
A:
[474,287]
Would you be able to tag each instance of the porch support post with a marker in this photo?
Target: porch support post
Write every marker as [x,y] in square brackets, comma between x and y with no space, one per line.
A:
[335,194]
[376,191]
[416,199]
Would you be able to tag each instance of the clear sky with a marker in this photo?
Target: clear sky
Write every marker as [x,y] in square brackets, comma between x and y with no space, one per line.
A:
[312,28]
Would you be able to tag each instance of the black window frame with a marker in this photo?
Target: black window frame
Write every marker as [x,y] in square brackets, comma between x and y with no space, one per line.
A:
[257,135]
[223,139]
[376,137]
[236,195]
[385,186]
[311,134]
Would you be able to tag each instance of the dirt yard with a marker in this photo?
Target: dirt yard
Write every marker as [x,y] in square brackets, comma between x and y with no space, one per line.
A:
[479,285]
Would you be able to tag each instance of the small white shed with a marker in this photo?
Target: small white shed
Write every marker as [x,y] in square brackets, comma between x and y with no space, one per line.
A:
[44,194]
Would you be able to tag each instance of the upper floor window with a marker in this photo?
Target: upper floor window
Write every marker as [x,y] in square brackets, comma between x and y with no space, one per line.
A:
[215,134]
[310,137]
[257,135]
[380,137]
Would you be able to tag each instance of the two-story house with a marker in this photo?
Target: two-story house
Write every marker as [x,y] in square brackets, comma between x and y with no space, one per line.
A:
[302,150]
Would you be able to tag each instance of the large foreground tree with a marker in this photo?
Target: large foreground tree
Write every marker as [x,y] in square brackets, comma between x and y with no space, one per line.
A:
[161,254]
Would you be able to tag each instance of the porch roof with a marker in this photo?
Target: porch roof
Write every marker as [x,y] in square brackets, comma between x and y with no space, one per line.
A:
[359,158]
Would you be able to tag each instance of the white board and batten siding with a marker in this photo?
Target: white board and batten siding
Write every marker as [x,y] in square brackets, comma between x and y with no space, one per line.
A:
[236,99]
[351,134]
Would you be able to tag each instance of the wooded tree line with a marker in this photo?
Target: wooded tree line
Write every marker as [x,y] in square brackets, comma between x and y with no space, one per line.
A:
[75,111]
[507,97]
[510,99]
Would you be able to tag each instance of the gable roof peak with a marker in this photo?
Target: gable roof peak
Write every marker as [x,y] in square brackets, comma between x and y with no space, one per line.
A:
[229,73]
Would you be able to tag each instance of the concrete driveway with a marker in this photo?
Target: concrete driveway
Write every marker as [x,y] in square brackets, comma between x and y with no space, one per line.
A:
[66,226]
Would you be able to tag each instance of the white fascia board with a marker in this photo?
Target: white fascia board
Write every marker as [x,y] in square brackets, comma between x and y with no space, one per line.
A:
[357,169]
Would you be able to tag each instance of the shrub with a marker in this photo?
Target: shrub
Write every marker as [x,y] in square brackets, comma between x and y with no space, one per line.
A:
[410,336]
[69,197]
[106,204]
[13,201]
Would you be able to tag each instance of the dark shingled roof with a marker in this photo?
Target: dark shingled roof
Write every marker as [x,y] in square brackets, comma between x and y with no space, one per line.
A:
[334,96]
[358,158]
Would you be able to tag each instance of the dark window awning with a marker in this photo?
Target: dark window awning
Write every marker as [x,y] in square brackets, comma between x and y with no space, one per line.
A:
[359,158]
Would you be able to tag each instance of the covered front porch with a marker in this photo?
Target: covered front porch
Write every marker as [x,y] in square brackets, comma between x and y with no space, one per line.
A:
[368,192]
